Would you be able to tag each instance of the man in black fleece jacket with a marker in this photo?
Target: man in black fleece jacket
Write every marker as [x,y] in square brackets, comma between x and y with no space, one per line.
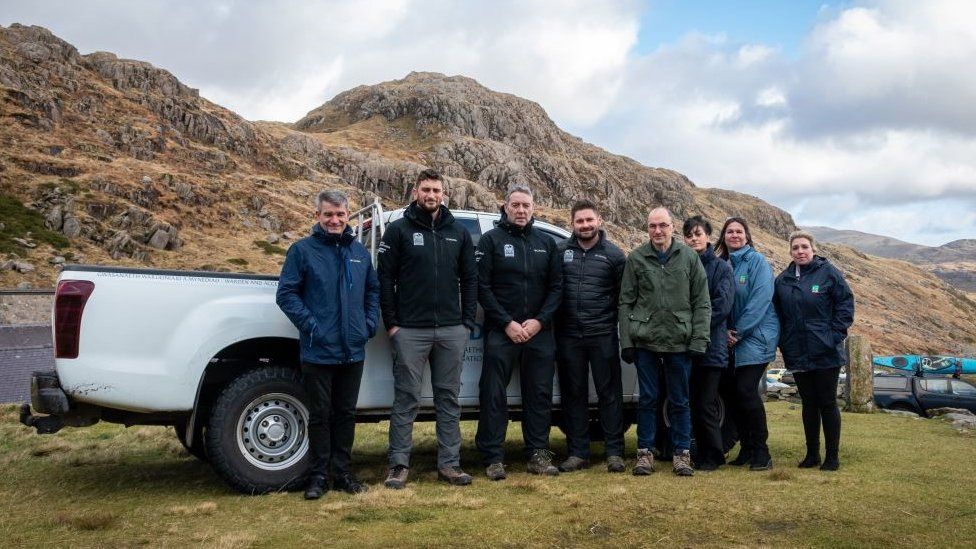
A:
[520,288]
[428,293]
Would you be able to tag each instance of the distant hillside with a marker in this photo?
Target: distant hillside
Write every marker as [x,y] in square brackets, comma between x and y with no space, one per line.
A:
[114,161]
[954,262]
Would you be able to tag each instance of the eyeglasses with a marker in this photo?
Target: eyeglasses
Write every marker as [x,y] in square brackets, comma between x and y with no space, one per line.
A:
[662,226]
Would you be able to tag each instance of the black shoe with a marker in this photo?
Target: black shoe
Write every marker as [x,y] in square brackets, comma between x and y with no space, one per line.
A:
[809,462]
[830,464]
[349,484]
[706,466]
[744,457]
[761,463]
[317,486]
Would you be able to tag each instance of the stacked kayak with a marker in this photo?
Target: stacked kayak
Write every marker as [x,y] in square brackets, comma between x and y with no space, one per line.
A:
[925,364]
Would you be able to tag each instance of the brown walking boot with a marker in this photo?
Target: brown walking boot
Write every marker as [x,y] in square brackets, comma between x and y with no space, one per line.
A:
[645,462]
[681,464]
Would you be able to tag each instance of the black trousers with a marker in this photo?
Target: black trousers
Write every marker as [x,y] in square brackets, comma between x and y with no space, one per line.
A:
[535,361]
[576,358]
[740,389]
[332,395]
[706,422]
[818,393]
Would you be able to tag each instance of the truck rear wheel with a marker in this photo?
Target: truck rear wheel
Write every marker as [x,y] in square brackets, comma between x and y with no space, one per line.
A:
[257,434]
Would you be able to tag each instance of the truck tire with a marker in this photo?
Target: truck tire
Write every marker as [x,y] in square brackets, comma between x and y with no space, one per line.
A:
[199,447]
[257,437]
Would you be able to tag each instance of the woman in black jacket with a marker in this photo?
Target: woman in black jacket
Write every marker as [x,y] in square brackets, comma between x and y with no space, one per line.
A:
[707,369]
[815,308]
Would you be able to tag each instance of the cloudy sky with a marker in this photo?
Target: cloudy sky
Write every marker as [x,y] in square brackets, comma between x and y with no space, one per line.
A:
[853,114]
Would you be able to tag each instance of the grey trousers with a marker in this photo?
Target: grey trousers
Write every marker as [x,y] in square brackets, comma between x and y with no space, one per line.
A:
[412,349]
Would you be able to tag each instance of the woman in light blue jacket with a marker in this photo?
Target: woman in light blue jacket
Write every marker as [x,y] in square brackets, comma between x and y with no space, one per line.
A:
[752,339]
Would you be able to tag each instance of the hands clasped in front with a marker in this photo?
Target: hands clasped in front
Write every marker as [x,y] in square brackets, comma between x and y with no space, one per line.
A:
[521,333]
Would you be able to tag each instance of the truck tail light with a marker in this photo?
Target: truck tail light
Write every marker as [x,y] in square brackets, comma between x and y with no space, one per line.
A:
[69,304]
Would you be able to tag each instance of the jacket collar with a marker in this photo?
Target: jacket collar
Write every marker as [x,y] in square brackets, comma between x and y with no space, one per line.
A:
[741,254]
[322,235]
[574,242]
[814,265]
[708,255]
[421,217]
[649,250]
[512,228]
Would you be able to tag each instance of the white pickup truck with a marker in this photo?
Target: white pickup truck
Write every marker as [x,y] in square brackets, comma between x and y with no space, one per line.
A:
[212,355]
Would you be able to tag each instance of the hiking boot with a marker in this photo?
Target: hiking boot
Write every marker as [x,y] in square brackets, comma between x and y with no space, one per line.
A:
[744,457]
[681,464]
[397,477]
[454,476]
[615,464]
[349,484]
[541,463]
[645,462]
[317,486]
[574,463]
[831,462]
[495,471]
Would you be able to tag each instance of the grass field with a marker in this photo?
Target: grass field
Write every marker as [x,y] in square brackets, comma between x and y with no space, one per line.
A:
[903,482]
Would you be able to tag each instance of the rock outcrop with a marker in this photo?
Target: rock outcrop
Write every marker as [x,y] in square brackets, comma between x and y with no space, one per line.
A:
[135,168]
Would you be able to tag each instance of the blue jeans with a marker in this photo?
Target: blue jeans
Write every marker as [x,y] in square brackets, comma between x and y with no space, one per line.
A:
[677,370]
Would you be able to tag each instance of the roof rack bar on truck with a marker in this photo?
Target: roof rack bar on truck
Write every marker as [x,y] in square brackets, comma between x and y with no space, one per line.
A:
[365,217]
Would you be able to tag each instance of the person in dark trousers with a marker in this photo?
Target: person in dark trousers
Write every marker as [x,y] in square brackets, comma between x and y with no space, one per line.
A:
[519,287]
[329,291]
[429,287]
[752,336]
[815,308]
[706,370]
[586,337]
[664,322]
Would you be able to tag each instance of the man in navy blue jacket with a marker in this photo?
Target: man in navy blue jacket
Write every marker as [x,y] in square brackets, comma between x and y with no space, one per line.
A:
[330,292]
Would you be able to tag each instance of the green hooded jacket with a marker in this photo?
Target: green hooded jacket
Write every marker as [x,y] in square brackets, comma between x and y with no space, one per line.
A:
[665,308]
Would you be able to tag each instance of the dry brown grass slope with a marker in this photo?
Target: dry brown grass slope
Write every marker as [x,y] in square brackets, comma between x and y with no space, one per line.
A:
[133,168]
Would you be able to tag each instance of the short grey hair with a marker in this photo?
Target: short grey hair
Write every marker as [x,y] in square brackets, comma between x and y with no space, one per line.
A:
[518,188]
[666,210]
[336,198]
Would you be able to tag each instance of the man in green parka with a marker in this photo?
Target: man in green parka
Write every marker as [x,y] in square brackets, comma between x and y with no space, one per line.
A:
[665,315]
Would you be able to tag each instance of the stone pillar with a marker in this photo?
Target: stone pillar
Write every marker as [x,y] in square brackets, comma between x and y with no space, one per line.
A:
[860,376]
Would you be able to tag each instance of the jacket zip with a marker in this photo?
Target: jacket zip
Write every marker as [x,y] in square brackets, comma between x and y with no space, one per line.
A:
[525,278]
[433,233]
[579,291]
[343,320]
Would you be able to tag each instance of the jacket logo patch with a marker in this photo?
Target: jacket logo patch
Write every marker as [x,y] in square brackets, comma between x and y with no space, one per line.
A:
[418,239]
[477,255]
[509,250]
[568,256]
[601,256]
[743,279]
[815,289]
[538,251]
[449,239]
[351,260]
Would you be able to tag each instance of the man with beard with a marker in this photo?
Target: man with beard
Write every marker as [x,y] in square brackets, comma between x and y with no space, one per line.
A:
[519,287]
[429,291]
[586,337]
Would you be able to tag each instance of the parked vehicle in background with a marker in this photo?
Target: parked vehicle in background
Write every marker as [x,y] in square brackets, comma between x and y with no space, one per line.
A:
[921,394]
[775,374]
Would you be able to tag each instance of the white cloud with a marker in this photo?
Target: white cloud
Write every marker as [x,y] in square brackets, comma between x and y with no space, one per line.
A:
[279,60]
[875,114]
[875,119]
